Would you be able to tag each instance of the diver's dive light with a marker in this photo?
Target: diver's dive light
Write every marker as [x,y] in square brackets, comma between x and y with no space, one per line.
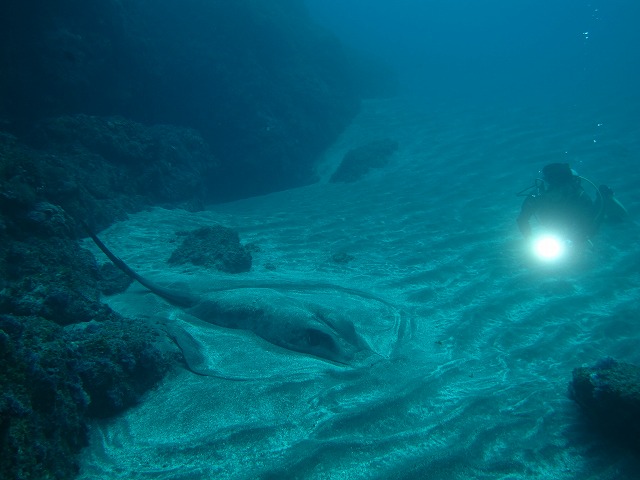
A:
[549,247]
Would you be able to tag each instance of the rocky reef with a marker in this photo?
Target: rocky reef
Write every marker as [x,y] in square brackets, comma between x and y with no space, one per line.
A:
[99,169]
[66,357]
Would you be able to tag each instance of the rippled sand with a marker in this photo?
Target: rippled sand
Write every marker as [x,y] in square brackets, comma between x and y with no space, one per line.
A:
[474,341]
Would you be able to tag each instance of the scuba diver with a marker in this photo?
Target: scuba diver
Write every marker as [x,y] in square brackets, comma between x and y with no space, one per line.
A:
[562,206]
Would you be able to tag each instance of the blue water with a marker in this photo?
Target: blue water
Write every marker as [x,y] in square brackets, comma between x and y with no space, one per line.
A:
[497,50]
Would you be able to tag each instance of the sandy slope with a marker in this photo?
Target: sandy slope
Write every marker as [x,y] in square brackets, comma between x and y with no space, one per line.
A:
[474,343]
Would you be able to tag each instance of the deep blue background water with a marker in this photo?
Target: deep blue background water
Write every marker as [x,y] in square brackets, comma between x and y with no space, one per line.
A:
[521,51]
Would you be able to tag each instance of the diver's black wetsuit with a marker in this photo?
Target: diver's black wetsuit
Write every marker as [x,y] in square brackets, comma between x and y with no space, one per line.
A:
[564,209]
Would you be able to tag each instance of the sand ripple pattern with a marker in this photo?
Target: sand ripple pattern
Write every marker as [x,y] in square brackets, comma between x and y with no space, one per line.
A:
[480,342]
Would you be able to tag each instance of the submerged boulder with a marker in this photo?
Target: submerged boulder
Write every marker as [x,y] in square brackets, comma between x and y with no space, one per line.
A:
[609,394]
[358,161]
[214,247]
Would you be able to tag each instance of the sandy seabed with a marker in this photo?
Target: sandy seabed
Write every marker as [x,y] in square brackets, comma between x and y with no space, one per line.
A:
[473,342]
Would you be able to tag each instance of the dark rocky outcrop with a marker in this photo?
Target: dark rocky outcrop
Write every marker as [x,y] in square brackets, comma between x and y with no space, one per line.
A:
[609,395]
[160,165]
[358,161]
[214,247]
[99,168]
[266,88]
[54,378]
[65,356]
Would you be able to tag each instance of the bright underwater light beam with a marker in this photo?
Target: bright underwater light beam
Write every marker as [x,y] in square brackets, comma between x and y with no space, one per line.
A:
[548,247]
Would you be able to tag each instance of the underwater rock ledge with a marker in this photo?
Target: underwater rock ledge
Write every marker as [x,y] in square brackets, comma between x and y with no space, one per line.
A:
[66,357]
[264,86]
